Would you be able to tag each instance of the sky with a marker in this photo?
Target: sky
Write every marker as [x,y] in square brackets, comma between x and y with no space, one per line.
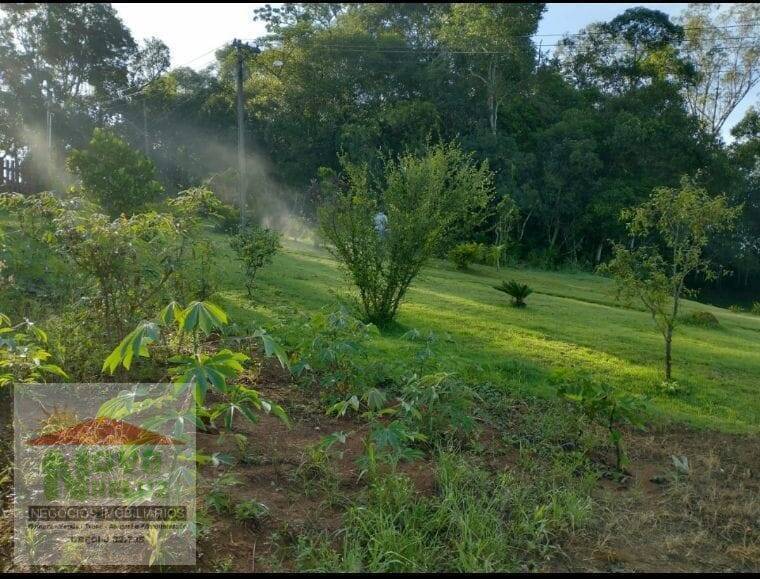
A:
[193,31]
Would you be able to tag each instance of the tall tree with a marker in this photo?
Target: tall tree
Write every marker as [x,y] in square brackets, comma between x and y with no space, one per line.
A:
[492,44]
[58,58]
[723,43]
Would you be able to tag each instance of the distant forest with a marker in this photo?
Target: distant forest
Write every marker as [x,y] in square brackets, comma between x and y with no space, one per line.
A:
[575,128]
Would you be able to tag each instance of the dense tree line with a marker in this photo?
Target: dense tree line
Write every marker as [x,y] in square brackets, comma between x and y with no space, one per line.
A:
[575,130]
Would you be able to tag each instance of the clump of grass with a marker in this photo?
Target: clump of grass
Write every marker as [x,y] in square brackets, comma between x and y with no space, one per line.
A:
[476,521]
[518,292]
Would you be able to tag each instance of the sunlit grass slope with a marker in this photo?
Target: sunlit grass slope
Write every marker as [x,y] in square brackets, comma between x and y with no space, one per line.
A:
[572,325]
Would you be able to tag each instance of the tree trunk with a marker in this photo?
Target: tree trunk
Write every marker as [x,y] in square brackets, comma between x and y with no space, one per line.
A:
[493,105]
[668,353]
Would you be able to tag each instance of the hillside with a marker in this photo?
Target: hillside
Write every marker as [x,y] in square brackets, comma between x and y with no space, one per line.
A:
[572,324]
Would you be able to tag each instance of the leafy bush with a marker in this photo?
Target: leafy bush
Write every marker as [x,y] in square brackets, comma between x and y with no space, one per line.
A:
[438,406]
[430,410]
[755,308]
[736,309]
[125,267]
[518,291]
[114,175]
[23,353]
[702,319]
[463,254]
[255,247]
[422,197]
[219,496]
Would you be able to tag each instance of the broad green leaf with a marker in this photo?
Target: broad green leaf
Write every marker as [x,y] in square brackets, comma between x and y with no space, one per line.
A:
[53,369]
[135,343]
[171,313]
[204,316]
[273,348]
[375,398]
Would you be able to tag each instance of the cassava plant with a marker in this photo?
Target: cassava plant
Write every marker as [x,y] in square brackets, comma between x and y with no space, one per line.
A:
[197,366]
[607,407]
[383,229]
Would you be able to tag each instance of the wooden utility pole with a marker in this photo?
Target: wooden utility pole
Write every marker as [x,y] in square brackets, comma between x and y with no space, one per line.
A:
[241,130]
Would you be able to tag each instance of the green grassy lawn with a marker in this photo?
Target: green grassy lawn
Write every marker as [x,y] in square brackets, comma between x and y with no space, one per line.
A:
[572,325]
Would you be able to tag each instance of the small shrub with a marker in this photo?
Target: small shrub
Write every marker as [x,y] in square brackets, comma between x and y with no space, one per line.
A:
[735,309]
[755,308]
[251,512]
[518,291]
[331,347]
[113,174]
[255,247]
[701,319]
[463,254]
[608,408]
[493,255]
[219,497]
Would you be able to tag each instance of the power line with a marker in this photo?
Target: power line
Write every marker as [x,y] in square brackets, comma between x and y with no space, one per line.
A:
[434,51]
[746,23]
[147,85]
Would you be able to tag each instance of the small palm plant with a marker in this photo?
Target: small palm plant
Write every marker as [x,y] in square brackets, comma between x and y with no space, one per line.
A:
[518,291]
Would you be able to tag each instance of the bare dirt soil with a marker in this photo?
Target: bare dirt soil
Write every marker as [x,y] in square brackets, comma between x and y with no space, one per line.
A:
[658,519]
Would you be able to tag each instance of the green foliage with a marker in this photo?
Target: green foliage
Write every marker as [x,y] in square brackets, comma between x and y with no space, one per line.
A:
[430,410]
[23,354]
[755,308]
[255,247]
[114,175]
[424,199]
[609,408]
[122,266]
[475,522]
[674,225]
[518,292]
[439,406]
[463,254]
[219,496]
[251,511]
[331,346]
[198,370]
[672,388]
[197,211]
[702,319]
